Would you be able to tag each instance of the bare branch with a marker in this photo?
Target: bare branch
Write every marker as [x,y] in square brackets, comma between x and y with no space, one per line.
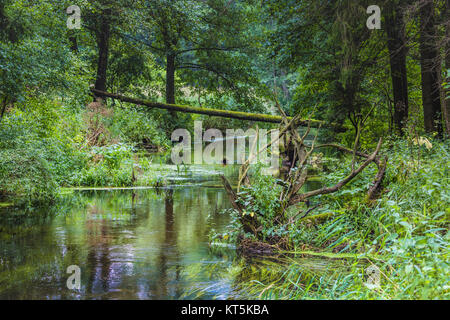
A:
[339,185]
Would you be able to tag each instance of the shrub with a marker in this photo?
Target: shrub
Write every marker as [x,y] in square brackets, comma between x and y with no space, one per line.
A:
[26,175]
[138,128]
[108,166]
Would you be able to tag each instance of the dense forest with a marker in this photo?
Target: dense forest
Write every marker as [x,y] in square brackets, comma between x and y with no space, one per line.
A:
[91,90]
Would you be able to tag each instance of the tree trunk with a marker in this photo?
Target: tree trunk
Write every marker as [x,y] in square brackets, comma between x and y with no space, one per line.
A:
[170,79]
[430,65]
[4,103]
[170,82]
[395,30]
[103,49]
[284,86]
[218,112]
[73,43]
[446,104]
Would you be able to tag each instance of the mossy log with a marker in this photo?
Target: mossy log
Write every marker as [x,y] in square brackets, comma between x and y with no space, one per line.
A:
[214,112]
[331,255]
[6,204]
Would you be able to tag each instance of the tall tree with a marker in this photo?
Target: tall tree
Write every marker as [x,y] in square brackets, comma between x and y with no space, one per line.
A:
[102,18]
[103,37]
[98,17]
[332,51]
[430,68]
[446,105]
[396,42]
[34,57]
[194,35]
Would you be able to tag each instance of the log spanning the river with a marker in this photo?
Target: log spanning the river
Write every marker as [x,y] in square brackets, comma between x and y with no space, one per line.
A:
[214,112]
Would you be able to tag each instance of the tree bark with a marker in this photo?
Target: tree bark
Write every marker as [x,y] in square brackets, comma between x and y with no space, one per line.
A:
[170,79]
[218,112]
[430,69]
[170,82]
[103,36]
[73,43]
[4,103]
[446,105]
[395,29]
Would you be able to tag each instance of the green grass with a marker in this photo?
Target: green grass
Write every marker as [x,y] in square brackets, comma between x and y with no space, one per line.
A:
[405,234]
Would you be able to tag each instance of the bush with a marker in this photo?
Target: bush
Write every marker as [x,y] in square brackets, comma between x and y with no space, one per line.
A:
[22,130]
[108,166]
[26,175]
[138,128]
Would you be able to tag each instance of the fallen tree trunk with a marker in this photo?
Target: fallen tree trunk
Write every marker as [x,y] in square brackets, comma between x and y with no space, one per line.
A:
[216,112]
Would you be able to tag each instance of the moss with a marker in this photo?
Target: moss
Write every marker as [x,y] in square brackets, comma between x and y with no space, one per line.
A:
[214,112]
[6,204]
[331,255]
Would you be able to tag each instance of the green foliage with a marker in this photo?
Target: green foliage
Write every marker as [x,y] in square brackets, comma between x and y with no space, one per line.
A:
[406,230]
[112,155]
[37,61]
[212,42]
[109,166]
[26,175]
[138,127]
[261,199]
[38,125]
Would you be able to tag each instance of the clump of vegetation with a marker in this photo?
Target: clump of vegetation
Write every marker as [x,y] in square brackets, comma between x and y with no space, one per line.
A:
[46,144]
[26,175]
[260,202]
[267,217]
[404,233]
[108,166]
[139,128]
[33,164]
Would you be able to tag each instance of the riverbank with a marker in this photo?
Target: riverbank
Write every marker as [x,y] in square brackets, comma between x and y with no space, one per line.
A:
[404,234]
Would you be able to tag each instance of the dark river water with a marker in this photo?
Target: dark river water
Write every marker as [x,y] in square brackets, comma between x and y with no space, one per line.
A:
[128,244]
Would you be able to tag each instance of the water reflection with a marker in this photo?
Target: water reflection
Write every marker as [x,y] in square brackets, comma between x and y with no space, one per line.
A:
[128,244]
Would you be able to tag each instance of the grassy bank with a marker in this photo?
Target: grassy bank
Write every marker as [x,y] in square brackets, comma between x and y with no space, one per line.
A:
[403,234]
[46,144]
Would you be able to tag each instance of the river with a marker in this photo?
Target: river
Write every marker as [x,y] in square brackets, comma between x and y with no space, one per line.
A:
[140,243]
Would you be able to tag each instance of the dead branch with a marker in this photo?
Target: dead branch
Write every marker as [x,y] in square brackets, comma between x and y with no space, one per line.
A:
[231,194]
[214,112]
[326,190]
[375,189]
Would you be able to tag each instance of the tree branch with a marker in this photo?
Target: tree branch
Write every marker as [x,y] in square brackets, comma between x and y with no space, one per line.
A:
[208,49]
[339,185]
